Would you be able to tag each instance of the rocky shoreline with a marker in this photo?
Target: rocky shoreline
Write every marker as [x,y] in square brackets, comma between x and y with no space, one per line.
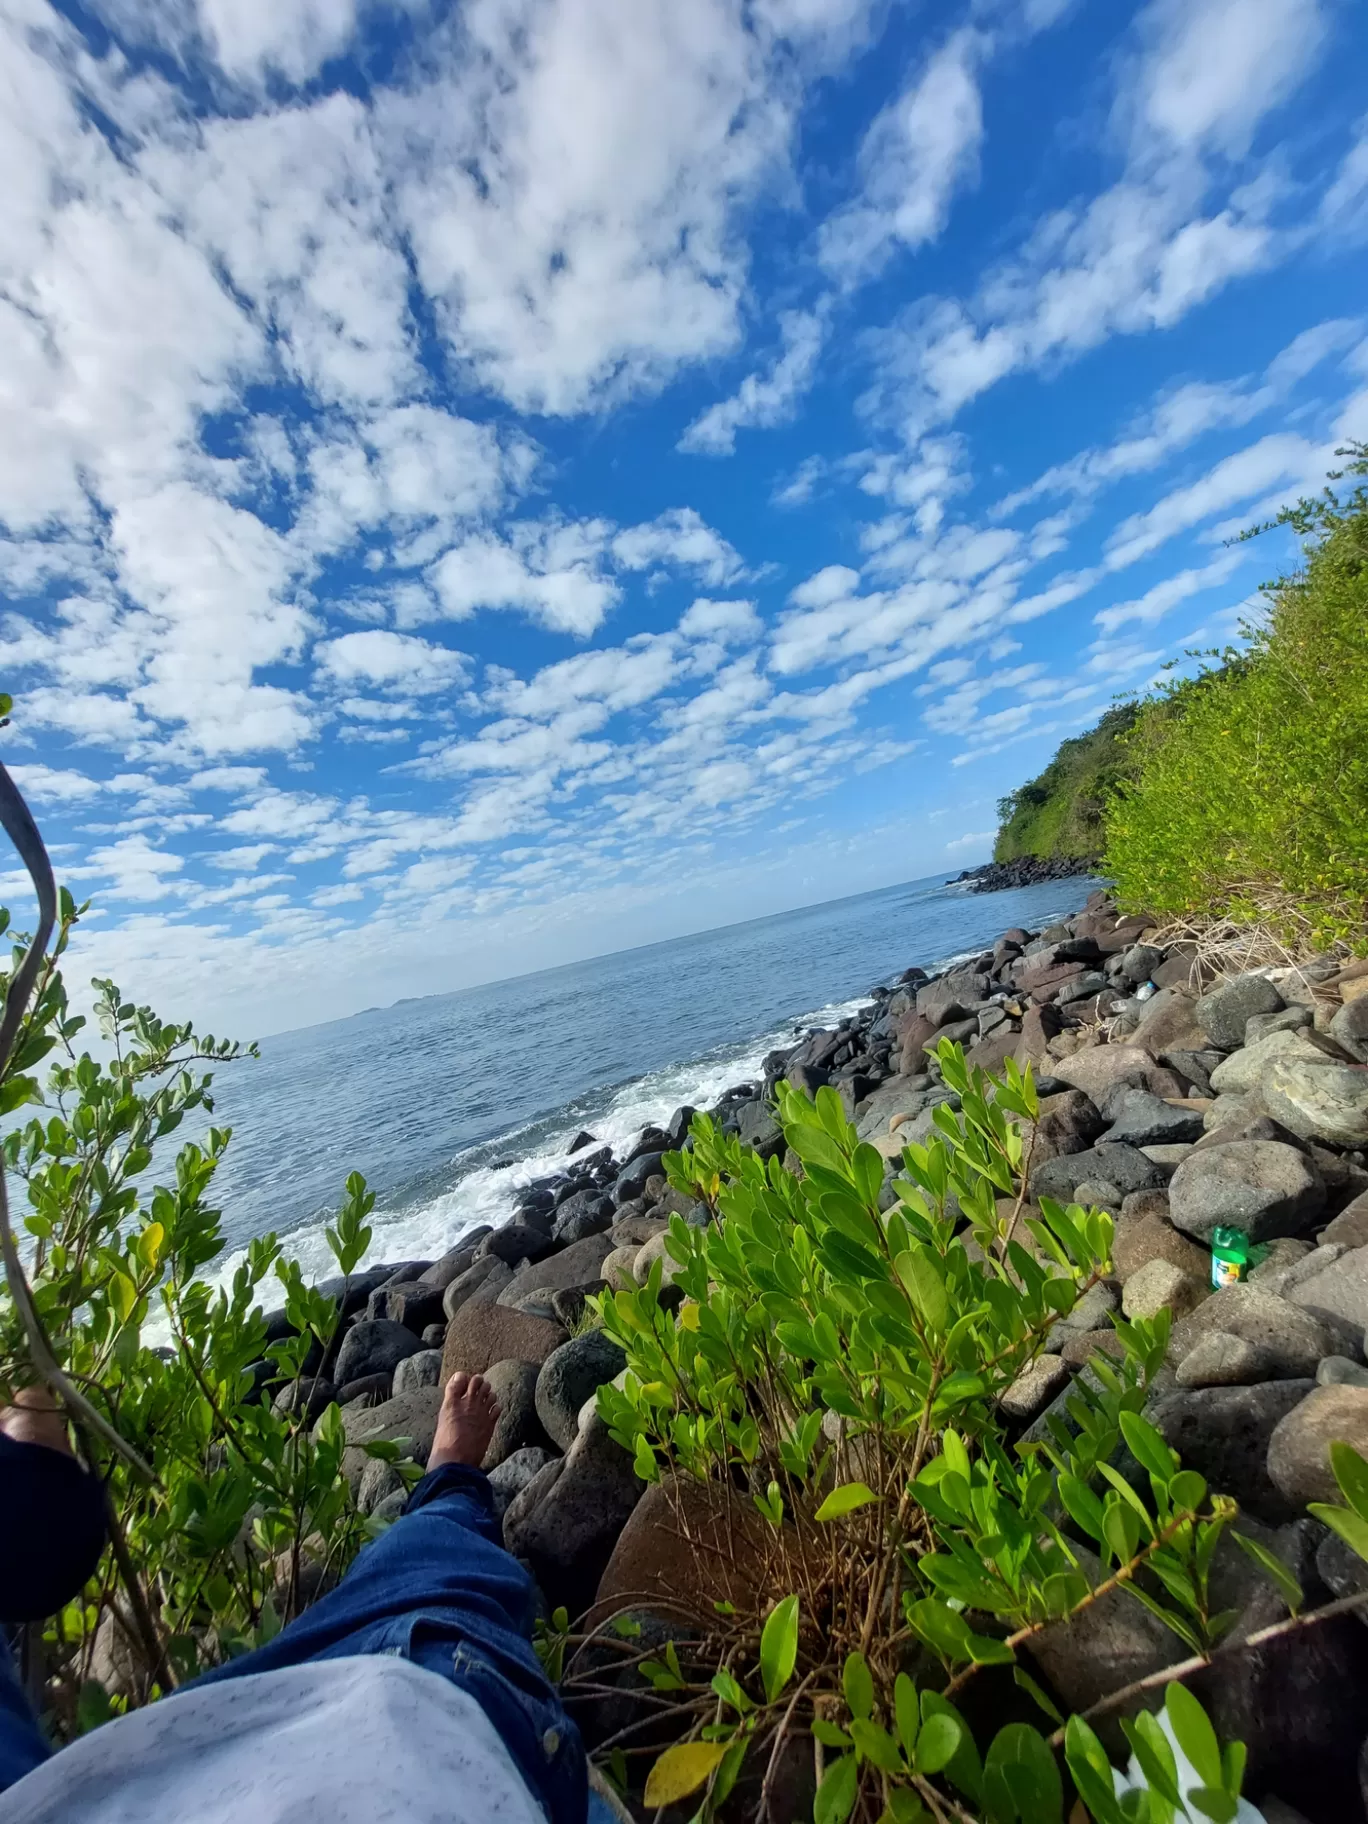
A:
[1178,1101]
[1025,871]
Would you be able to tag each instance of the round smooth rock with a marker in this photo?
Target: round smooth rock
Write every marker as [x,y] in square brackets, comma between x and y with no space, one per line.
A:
[374,1345]
[421,1370]
[1221,1359]
[1260,1186]
[571,1375]
[1161,1286]
[1225,1011]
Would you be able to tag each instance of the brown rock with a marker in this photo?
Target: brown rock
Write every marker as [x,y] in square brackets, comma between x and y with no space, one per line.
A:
[729,1559]
[1100,1066]
[1040,1025]
[1159,1286]
[1299,1449]
[992,1052]
[484,1332]
[1169,1023]
[1142,1238]
[1181,969]
[515,1388]
[914,1031]
[633,1231]
[617,1269]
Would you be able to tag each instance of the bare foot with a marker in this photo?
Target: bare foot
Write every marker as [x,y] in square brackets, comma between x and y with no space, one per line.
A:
[466,1422]
[36,1418]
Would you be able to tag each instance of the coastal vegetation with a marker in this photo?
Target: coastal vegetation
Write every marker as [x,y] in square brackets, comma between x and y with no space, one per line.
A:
[1246,795]
[1059,813]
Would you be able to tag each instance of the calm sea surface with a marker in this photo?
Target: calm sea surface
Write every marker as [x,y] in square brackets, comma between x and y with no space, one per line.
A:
[429,1098]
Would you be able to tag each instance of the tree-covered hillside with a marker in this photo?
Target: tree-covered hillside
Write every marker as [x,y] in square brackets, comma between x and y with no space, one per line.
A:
[1060,811]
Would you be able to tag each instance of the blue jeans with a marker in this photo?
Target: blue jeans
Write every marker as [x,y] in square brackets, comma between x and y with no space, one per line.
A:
[438,1589]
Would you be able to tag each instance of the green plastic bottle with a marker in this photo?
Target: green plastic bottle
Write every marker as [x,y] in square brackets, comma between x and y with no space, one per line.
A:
[1230,1257]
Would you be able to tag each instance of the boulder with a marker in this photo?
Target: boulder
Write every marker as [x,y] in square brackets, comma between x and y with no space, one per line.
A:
[1260,1186]
[1111,1643]
[312,1396]
[1223,1433]
[379,1481]
[1221,1359]
[1296,1701]
[1323,1101]
[373,1345]
[569,1376]
[579,1264]
[1339,1371]
[487,1271]
[1349,1028]
[618,1267]
[633,1178]
[631,1231]
[1299,1448]
[730,1561]
[1169,1023]
[453,1264]
[1263,1025]
[1293,1340]
[512,1475]
[953,997]
[1350,1227]
[1090,1313]
[1142,1238]
[566,1521]
[421,1370]
[1067,1123]
[1125,1167]
[1162,1286]
[1336,1290]
[648,1254]
[409,1419]
[1223,1012]
[484,1331]
[586,1213]
[1033,1389]
[412,1304]
[518,1428]
[1246,1069]
[1099,1066]
[515,1241]
[1140,1119]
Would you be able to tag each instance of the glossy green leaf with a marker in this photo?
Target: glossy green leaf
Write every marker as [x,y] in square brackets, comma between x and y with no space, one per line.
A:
[779,1647]
[858,1685]
[836,1795]
[845,1500]
[1274,1569]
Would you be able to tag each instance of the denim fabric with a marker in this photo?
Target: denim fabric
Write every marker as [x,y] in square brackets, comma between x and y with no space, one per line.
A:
[440,1589]
[22,1747]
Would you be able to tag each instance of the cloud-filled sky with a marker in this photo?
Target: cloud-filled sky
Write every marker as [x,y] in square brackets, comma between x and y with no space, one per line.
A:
[483,484]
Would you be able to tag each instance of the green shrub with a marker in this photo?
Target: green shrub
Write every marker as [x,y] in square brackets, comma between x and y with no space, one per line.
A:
[833,1372]
[1060,811]
[1250,800]
[226,1514]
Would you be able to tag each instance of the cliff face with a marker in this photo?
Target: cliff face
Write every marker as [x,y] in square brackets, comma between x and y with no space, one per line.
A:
[1059,813]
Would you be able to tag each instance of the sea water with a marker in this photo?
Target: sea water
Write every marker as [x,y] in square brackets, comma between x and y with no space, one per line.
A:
[449,1104]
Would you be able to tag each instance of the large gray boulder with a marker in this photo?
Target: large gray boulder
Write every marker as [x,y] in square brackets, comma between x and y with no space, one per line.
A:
[1223,1433]
[567,1519]
[1325,1101]
[569,1376]
[1223,1013]
[1350,1028]
[1244,1070]
[487,1271]
[514,1385]
[1260,1186]
[953,997]
[510,1477]
[421,1370]
[1291,1341]
[1125,1167]
[373,1345]
[1337,1290]
[1140,1119]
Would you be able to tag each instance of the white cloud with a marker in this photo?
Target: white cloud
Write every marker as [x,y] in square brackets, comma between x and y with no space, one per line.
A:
[763,400]
[682,538]
[1280,458]
[552,572]
[1155,603]
[1140,255]
[1344,207]
[976,840]
[917,153]
[400,660]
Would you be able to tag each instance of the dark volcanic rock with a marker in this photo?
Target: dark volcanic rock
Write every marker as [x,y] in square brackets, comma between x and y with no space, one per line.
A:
[1025,871]
[374,1345]
[1223,1433]
[569,1376]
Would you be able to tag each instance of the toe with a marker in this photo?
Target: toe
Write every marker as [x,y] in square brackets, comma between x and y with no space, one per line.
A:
[458,1386]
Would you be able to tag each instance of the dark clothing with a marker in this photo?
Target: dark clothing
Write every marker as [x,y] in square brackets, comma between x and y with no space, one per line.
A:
[52,1529]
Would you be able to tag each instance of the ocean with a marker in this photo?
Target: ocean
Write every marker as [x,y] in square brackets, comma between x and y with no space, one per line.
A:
[433,1098]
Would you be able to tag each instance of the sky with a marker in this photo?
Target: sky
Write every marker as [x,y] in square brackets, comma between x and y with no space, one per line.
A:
[487,484]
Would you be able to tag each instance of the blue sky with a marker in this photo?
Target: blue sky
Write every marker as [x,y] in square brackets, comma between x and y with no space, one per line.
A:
[486,484]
